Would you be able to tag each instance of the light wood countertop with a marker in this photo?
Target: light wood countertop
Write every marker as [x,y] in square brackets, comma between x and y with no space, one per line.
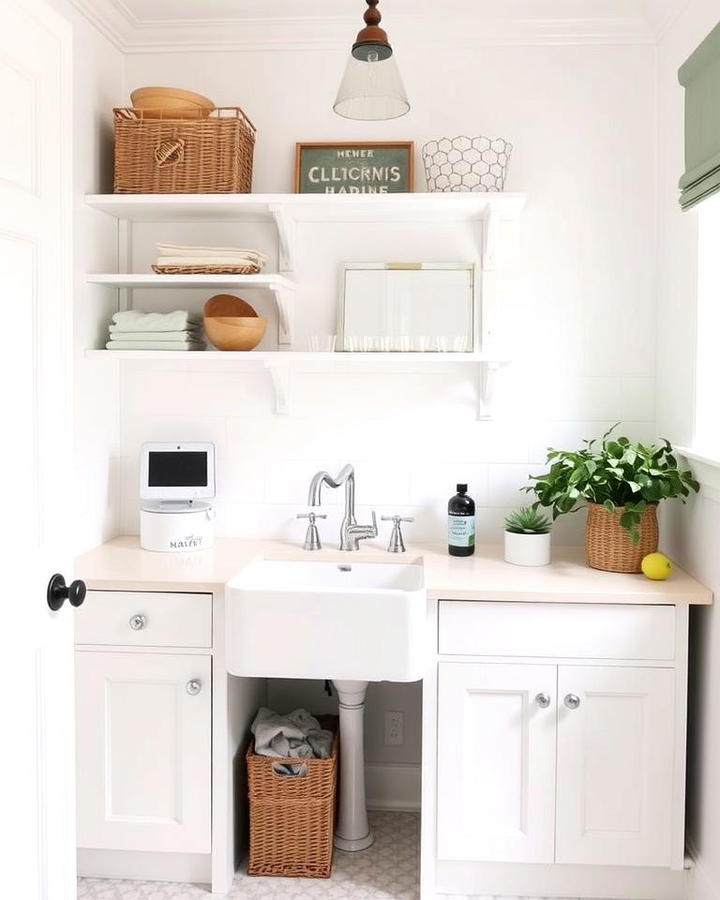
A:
[121,564]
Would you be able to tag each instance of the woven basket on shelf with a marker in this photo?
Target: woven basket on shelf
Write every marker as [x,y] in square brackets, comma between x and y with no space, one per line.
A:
[206,270]
[292,818]
[183,156]
[608,546]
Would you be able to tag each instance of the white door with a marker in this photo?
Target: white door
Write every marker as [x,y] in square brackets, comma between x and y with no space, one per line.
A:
[496,762]
[36,752]
[615,765]
[144,751]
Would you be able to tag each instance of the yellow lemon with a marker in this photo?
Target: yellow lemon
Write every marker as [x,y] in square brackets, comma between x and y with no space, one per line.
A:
[656,566]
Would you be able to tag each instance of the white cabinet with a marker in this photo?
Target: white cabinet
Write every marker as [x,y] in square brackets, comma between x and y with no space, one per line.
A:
[496,773]
[615,765]
[571,757]
[143,750]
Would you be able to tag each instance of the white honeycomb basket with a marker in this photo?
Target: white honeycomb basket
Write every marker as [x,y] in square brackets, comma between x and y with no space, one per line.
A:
[466,164]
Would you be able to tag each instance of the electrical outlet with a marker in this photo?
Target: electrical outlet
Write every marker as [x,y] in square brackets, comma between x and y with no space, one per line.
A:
[394,729]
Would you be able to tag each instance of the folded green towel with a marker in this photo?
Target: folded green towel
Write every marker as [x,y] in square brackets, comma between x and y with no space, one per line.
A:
[154,345]
[194,334]
[136,320]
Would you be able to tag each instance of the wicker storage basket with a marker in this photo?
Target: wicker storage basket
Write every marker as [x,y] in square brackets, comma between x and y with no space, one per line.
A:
[292,818]
[183,156]
[608,546]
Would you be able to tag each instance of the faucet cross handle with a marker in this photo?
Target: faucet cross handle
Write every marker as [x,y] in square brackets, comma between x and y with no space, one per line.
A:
[396,543]
[312,536]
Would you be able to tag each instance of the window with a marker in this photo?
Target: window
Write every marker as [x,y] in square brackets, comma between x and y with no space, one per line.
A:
[706,439]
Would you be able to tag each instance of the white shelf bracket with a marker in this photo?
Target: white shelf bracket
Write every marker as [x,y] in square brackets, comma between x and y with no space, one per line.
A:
[490,228]
[486,388]
[281,373]
[286,237]
[284,302]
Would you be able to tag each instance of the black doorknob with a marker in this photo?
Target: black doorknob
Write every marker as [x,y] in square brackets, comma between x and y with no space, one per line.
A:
[58,592]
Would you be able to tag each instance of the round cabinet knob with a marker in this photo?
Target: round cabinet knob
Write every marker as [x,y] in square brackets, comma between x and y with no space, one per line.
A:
[58,592]
[193,687]
[543,700]
[572,701]
[137,622]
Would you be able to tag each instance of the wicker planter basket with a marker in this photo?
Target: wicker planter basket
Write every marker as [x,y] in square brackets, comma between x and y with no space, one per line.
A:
[183,156]
[608,546]
[292,818]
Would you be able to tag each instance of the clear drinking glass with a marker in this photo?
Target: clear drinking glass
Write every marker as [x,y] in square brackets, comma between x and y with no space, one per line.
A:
[460,343]
[321,343]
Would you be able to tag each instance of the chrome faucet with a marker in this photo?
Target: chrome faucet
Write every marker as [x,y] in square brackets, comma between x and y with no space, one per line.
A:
[350,532]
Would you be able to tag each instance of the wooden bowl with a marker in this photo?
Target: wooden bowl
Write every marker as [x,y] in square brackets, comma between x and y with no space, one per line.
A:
[235,332]
[227,305]
[168,102]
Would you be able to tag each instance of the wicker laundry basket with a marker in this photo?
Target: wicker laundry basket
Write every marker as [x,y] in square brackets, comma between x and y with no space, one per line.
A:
[206,155]
[292,818]
[608,546]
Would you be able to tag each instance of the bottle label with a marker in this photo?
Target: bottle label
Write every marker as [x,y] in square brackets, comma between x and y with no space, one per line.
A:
[461,531]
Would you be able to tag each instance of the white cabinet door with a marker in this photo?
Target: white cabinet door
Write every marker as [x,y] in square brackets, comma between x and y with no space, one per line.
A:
[615,766]
[143,751]
[496,762]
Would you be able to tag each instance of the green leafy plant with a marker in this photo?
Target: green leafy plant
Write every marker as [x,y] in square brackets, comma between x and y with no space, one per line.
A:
[619,474]
[527,520]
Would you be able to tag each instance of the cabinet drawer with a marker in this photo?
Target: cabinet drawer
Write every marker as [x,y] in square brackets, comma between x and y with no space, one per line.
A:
[140,619]
[566,630]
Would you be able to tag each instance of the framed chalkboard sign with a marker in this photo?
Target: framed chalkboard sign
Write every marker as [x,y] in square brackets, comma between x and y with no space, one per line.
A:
[354,168]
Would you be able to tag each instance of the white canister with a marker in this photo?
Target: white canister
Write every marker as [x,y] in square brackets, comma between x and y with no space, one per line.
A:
[177,527]
[527,549]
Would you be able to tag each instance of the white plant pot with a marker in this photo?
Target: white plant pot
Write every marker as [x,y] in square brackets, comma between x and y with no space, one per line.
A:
[527,549]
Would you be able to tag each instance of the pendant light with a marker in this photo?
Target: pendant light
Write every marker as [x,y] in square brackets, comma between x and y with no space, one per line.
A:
[371,88]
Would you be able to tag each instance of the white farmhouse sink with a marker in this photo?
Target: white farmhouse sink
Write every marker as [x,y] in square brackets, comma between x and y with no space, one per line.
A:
[329,620]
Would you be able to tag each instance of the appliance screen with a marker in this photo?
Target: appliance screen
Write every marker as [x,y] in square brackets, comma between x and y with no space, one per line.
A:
[169,469]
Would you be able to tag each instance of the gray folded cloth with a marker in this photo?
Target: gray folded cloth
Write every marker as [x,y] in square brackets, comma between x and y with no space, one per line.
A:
[194,334]
[155,345]
[297,735]
[136,320]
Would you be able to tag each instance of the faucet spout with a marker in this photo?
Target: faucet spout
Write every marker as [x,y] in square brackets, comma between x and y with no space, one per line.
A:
[346,475]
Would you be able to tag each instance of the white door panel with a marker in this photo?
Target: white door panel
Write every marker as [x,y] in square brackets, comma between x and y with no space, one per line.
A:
[36,755]
[496,762]
[143,751]
[615,766]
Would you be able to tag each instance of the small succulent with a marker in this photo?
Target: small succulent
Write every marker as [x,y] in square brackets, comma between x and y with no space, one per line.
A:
[527,520]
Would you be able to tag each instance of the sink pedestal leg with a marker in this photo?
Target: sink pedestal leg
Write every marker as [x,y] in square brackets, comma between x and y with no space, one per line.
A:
[353,831]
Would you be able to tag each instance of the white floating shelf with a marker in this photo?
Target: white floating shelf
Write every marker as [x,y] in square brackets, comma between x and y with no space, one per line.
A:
[286,210]
[281,363]
[282,289]
[305,207]
[153,280]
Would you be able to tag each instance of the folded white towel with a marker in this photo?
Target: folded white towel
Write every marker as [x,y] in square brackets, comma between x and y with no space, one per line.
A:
[169,337]
[136,320]
[209,261]
[165,249]
[154,345]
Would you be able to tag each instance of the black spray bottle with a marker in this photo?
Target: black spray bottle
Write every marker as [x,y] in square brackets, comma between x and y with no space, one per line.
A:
[461,523]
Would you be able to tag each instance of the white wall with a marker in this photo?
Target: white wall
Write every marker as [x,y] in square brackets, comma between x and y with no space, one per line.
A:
[577,310]
[97,87]
[577,307]
[692,532]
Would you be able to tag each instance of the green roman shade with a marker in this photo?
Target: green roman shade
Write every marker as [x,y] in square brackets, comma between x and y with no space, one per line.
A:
[700,76]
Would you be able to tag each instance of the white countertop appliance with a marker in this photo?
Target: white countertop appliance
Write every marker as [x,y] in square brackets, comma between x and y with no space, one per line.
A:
[177,485]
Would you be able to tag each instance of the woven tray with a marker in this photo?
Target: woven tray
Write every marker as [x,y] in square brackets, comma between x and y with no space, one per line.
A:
[292,819]
[206,270]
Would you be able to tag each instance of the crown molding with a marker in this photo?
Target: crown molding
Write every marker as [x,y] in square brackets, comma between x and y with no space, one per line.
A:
[131,35]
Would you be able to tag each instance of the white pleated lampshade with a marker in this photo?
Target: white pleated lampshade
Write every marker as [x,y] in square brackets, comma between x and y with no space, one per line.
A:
[371,90]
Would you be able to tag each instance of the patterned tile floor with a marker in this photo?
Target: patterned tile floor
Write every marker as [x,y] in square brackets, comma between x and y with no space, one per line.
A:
[386,871]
